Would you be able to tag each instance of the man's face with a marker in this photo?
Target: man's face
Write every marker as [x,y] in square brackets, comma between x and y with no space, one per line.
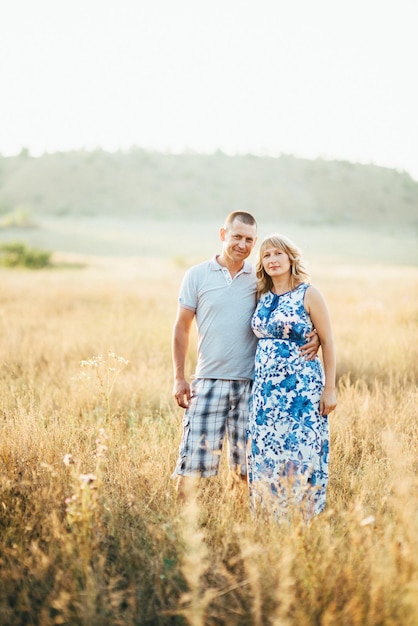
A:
[238,241]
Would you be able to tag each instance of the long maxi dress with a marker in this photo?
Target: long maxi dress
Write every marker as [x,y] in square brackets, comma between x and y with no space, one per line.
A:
[287,438]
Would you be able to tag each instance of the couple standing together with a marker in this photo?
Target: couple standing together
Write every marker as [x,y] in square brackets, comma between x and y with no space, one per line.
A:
[258,379]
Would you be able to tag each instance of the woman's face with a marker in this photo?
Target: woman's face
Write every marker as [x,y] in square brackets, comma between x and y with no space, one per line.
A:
[275,262]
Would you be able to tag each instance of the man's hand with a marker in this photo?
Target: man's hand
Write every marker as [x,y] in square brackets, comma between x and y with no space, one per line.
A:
[181,393]
[310,349]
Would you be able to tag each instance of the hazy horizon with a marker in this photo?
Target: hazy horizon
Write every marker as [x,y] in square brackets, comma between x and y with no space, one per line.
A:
[309,79]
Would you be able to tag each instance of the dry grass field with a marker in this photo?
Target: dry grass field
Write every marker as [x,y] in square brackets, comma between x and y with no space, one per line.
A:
[91,533]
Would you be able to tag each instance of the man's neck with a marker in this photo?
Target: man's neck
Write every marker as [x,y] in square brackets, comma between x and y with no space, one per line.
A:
[234,268]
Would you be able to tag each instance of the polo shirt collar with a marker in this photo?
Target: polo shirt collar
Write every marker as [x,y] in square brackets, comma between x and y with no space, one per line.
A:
[215,266]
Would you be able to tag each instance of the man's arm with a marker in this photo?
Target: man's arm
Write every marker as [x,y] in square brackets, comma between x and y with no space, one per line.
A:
[310,349]
[180,346]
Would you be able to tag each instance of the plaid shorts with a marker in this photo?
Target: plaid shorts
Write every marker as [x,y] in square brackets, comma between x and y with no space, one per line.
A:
[216,407]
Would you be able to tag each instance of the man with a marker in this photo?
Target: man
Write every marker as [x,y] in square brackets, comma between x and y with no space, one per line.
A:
[221,295]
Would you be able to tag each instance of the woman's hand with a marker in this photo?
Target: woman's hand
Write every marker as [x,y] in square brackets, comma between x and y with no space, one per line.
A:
[328,401]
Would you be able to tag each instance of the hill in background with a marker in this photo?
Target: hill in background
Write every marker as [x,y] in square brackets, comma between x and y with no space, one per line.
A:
[139,183]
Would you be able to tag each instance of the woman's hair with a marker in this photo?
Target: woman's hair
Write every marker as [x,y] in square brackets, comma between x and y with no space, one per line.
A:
[298,272]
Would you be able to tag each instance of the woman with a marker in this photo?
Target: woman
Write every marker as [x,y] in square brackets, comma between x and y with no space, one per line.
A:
[288,438]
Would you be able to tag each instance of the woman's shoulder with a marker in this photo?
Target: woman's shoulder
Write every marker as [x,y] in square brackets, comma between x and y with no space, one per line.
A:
[313,295]
[266,295]
[309,288]
[302,288]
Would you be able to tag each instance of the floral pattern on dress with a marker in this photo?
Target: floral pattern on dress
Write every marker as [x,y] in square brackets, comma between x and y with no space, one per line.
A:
[287,438]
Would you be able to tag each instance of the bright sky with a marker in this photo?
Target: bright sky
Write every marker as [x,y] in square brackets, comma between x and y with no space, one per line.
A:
[330,78]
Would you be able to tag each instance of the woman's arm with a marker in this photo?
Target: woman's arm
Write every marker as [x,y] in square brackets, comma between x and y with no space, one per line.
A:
[318,311]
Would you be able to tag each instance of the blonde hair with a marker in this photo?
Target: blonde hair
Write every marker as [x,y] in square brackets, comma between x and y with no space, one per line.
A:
[298,272]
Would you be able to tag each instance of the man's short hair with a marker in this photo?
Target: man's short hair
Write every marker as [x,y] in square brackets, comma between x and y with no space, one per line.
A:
[243,216]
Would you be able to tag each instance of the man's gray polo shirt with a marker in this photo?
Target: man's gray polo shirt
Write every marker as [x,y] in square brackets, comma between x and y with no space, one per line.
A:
[223,307]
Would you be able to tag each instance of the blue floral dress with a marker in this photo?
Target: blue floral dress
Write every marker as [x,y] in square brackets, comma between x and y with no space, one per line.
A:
[288,439]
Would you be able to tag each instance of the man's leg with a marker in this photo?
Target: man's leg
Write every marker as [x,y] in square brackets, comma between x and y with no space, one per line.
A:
[204,424]
[187,488]
[237,426]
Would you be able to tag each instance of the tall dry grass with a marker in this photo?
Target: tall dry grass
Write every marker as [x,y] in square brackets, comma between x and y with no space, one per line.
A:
[91,532]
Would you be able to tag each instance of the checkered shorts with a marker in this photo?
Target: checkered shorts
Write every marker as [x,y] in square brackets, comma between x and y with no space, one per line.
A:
[216,407]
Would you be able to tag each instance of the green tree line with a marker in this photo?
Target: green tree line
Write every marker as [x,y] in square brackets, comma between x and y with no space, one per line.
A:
[190,185]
